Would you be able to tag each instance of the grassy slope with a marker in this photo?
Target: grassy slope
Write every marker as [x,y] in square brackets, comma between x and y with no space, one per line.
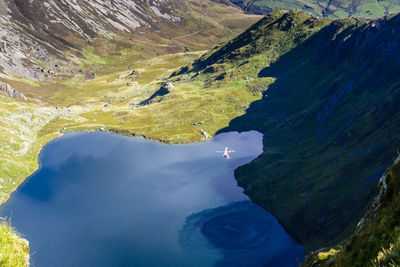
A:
[333,9]
[14,251]
[20,143]
[108,102]
[377,241]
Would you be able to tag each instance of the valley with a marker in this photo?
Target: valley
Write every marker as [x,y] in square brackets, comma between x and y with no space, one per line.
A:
[323,92]
[324,8]
[103,90]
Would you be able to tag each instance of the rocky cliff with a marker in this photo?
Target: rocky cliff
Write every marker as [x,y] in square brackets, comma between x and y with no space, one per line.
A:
[376,241]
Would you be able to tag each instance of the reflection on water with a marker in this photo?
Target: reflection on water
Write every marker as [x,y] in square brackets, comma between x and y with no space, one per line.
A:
[105,200]
[244,233]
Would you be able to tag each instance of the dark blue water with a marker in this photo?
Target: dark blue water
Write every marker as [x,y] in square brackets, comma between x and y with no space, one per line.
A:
[106,200]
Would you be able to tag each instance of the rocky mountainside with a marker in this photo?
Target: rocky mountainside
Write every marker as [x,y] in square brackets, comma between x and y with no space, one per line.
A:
[376,241]
[336,9]
[37,34]
[7,90]
[330,118]
[42,30]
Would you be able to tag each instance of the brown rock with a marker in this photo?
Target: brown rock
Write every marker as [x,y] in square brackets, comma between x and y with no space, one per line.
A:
[7,90]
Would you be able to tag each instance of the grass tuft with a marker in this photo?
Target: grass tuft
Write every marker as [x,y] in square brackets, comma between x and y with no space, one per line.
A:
[14,250]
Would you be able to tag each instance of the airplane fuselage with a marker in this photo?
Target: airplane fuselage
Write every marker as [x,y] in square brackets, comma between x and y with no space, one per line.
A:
[226,153]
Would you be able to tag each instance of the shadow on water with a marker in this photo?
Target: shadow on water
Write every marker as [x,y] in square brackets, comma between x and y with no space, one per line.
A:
[244,233]
[105,200]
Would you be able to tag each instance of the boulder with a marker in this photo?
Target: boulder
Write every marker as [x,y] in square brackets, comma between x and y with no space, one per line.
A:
[3,47]
[205,134]
[7,90]
[165,89]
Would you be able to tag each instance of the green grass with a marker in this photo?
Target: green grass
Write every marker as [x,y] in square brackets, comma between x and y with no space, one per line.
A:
[377,242]
[14,251]
[20,124]
[372,9]
[26,127]
[332,9]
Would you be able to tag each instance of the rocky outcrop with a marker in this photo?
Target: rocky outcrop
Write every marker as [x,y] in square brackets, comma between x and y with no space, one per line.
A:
[7,90]
[165,89]
[38,30]
[3,47]
[205,134]
[377,203]
[376,239]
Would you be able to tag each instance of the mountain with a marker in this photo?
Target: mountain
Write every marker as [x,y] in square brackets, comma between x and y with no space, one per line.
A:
[40,37]
[335,9]
[324,93]
[328,114]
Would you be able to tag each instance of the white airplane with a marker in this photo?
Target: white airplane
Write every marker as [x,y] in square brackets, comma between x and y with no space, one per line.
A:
[226,152]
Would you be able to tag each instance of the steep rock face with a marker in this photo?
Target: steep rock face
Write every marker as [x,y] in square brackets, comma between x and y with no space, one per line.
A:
[42,30]
[330,120]
[87,18]
[7,90]
[376,241]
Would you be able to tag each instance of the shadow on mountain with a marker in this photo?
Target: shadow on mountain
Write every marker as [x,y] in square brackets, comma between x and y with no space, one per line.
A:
[165,89]
[330,123]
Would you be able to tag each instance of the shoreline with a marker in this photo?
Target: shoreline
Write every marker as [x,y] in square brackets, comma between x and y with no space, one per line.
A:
[62,134]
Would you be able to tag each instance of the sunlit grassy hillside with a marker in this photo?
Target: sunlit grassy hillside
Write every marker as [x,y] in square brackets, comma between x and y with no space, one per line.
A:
[14,251]
[111,102]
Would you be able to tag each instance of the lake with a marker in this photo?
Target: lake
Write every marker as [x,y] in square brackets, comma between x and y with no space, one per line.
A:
[100,199]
